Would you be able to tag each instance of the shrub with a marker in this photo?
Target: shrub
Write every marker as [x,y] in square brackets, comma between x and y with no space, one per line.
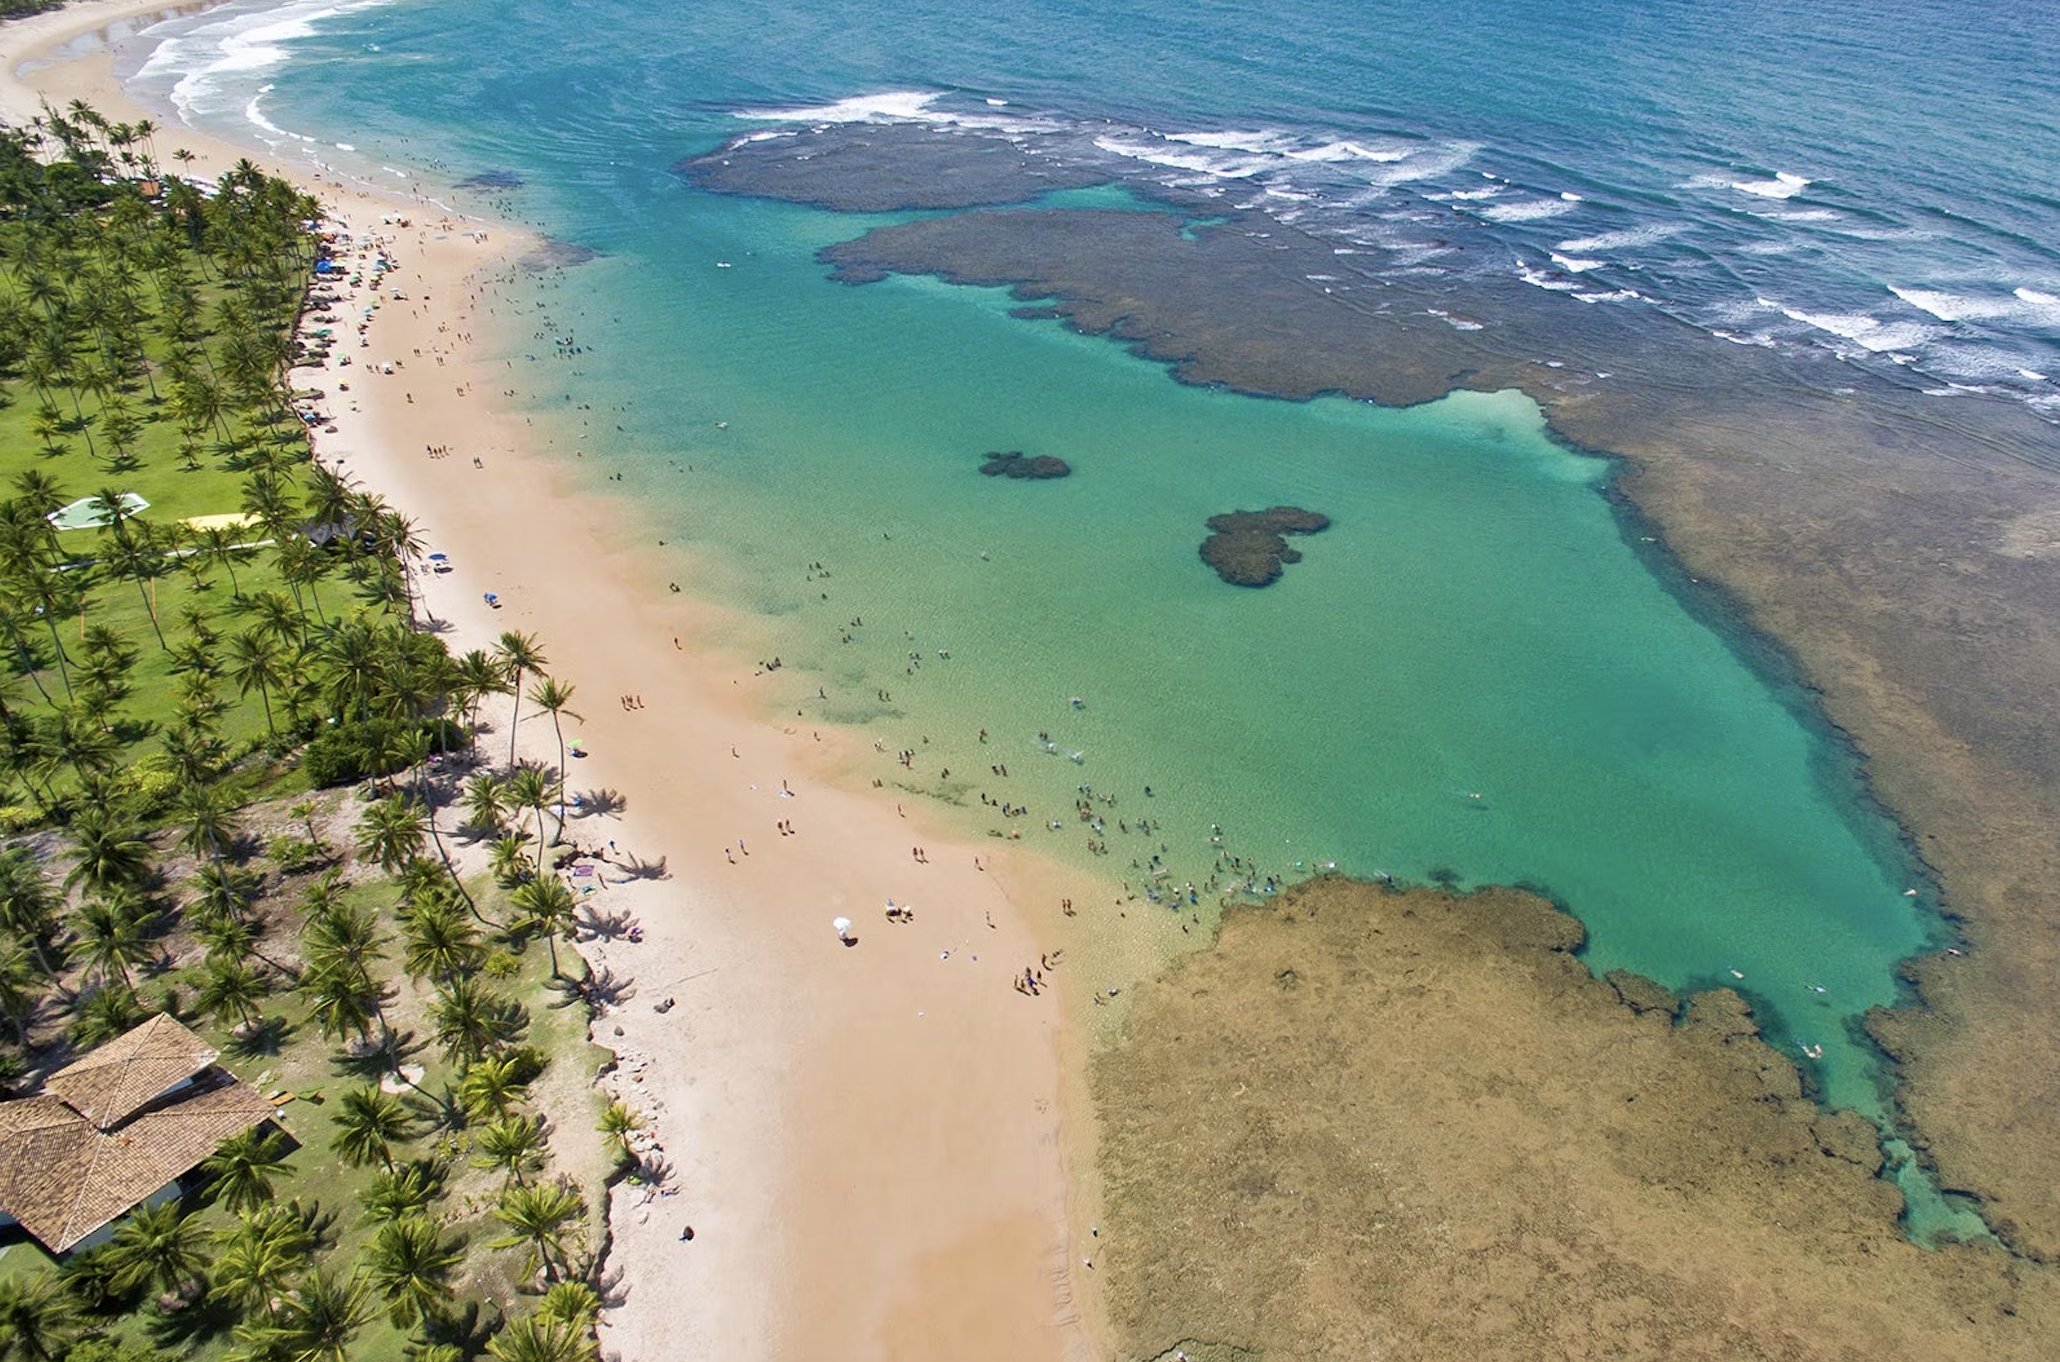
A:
[293,853]
[352,751]
[152,780]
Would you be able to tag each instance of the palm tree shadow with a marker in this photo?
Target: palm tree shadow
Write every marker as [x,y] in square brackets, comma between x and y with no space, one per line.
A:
[266,1038]
[638,869]
[612,1286]
[605,926]
[602,802]
[192,1325]
[467,1330]
[381,1060]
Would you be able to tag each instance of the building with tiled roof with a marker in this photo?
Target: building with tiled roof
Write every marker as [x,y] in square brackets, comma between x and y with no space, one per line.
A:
[117,1129]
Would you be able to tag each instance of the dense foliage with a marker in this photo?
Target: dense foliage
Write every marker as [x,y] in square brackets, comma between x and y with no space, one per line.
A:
[158,676]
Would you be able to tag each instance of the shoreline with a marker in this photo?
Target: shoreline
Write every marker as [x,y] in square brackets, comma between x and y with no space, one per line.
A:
[867,1141]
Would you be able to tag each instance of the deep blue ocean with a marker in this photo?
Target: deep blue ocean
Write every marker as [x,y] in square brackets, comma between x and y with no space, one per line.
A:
[1880,179]
[1473,676]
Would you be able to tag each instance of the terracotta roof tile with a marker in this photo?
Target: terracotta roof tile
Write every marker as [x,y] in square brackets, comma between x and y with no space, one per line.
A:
[112,1083]
[62,1176]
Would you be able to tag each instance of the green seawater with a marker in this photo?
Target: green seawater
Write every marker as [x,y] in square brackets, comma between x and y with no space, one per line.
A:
[1472,676]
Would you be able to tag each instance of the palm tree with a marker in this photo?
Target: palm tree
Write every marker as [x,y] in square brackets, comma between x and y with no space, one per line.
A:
[38,1318]
[409,1189]
[105,1013]
[518,652]
[471,1017]
[486,803]
[232,990]
[339,947]
[256,659]
[529,788]
[549,904]
[111,854]
[410,1264]
[540,1217]
[535,1338]
[316,1322]
[28,906]
[439,943]
[570,1303]
[260,1256]
[305,810]
[391,831]
[618,1123]
[21,993]
[548,694]
[511,864]
[157,1246]
[114,935]
[514,1145]
[210,818]
[475,677]
[222,544]
[492,1084]
[243,1167]
[368,1122]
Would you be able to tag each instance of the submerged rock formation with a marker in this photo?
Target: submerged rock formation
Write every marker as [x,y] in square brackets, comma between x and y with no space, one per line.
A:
[1247,548]
[1415,1126]
[1015,463]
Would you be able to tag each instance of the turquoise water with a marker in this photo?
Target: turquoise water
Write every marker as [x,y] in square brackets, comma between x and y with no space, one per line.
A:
[1474,623]
[1472,676]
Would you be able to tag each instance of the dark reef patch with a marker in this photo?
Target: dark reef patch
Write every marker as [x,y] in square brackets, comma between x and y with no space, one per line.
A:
[869,168]
[1447,1141]
[553,254]
[492,179]
[1015,463]
[1247,548]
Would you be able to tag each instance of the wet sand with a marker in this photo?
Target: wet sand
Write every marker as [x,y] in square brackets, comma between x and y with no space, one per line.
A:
[1889,559]
[864,1138]
[1374,1124]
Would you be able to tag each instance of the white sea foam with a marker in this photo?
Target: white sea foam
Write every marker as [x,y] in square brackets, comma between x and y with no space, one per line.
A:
[897,106]
[1620,295]
[1222,167]
[1803,215]
[1269,143]
[253,115]
[1617,241]
[1574,264]
[220,52]
[1544,279]
[2024,305]
[900,106]
[1468,195]
[1529,210]
[1782,186]
[1867,331]
[1350,151]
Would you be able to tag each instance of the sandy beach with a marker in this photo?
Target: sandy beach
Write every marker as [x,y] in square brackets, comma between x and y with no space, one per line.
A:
[864,1138]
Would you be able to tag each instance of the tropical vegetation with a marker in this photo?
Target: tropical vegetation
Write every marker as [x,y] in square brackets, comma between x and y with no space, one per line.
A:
[237,783]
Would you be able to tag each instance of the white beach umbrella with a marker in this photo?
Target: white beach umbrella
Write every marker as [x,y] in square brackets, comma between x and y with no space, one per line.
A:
[843,926]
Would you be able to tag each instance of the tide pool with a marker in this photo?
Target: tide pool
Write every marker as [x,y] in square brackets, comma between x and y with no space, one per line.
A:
[1470,677]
